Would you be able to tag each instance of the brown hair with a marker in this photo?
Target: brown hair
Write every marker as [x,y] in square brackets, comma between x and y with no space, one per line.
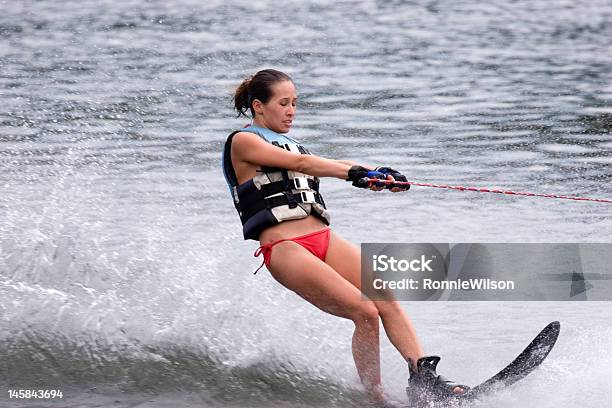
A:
[258,86]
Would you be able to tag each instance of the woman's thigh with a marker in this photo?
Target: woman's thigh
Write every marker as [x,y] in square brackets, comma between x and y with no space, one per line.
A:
[345,258]
[316,281]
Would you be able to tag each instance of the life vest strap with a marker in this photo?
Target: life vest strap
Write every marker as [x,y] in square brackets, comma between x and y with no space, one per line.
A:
[303,197]
[297,183]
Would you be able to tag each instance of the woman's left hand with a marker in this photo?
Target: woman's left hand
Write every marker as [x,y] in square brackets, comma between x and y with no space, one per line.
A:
[374,187]
[394,175]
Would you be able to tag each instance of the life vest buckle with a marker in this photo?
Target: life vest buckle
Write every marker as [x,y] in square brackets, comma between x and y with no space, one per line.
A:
[308,197]
[301,183]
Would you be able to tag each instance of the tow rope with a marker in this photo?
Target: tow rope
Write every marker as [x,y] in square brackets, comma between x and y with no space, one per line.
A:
[391,184]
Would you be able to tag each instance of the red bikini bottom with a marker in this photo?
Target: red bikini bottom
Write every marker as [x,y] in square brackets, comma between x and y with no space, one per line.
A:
[316,242]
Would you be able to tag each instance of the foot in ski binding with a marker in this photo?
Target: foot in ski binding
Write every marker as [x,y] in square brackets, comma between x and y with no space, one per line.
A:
[427,386]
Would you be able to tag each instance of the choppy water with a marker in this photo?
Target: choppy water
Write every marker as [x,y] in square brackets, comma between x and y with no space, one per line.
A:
[123,277]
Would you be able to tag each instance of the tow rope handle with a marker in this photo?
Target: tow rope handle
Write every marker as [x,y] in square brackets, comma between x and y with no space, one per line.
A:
[367,182]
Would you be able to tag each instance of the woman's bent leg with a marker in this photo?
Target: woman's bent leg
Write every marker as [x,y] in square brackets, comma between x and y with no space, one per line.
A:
[305,274]
[345,258]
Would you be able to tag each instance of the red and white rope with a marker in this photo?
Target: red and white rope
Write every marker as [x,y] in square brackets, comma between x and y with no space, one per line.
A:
[490,190]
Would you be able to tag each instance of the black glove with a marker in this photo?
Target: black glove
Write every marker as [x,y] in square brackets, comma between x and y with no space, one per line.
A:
[356,174]
[396,175]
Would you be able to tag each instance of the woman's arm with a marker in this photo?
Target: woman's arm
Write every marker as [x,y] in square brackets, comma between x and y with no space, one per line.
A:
[251,148]
[352,163]
[322,167]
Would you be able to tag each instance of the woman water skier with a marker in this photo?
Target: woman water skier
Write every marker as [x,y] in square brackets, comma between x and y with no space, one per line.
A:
[274,183]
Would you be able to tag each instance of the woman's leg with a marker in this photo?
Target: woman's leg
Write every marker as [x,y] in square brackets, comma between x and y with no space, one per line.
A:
[345,258]
[302,272]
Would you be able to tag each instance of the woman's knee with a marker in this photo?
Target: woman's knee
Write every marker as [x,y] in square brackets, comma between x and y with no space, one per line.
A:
[390,307]
[365,313]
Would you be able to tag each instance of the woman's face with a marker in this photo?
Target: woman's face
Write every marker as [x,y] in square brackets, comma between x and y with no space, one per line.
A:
[277,114]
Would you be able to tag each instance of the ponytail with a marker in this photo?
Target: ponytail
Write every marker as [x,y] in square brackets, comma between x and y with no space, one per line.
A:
[241,98]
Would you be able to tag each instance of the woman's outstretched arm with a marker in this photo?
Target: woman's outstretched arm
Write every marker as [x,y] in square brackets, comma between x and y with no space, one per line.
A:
[250,148]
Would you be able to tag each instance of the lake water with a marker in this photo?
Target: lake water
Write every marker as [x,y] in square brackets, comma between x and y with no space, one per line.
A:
[124,278]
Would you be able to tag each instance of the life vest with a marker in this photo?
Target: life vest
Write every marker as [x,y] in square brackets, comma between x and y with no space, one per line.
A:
[274,195]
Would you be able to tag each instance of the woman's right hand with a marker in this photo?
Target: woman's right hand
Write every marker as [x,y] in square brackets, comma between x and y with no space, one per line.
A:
[359,174]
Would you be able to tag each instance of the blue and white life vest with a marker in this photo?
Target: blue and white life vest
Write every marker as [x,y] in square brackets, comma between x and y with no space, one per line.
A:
[274,195]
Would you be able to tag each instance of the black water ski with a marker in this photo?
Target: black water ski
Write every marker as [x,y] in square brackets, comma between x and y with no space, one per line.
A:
[529,359]
[525,363]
